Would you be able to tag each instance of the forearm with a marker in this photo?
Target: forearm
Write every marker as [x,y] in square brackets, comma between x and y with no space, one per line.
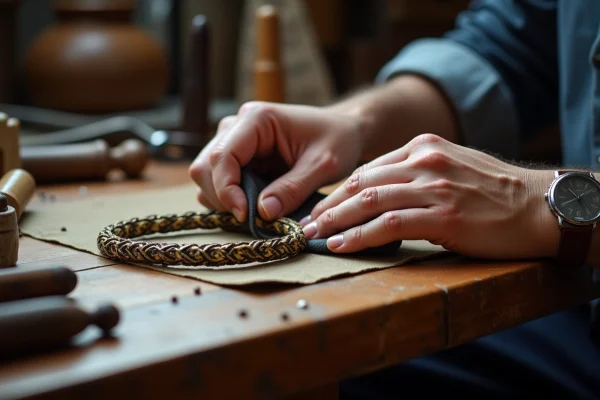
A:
[392,114]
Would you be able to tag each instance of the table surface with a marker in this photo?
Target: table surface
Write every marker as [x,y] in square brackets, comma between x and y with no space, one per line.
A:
[200,346]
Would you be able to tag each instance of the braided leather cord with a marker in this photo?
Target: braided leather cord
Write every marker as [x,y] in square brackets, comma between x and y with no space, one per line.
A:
[115,241]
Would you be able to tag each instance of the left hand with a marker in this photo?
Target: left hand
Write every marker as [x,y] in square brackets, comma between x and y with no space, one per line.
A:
[462,199]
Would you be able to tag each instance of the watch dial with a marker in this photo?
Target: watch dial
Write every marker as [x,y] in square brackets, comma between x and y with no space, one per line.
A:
[578,198]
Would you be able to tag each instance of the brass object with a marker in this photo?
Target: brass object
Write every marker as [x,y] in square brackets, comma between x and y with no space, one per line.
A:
[18,186]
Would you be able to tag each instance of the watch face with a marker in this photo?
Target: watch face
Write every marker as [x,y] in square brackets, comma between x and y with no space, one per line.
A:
[576,197]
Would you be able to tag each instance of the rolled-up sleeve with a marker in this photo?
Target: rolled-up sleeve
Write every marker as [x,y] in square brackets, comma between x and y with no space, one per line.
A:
[497,68]
[482,102]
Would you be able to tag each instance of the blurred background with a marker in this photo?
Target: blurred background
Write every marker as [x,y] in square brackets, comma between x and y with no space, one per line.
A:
[349,39]
[67,63]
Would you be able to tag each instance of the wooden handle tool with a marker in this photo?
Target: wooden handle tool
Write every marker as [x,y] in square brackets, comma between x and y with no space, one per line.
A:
[82,161]
[48,322]
[18,186]
[20,284]
[9,235]
[268,70]
[195,88]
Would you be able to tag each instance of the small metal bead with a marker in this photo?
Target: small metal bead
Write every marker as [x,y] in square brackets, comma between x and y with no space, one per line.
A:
[174,300]
[243,314]
[197,291]
[302,304]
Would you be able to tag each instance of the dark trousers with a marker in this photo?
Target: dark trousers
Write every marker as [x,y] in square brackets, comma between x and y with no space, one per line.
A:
[552,357]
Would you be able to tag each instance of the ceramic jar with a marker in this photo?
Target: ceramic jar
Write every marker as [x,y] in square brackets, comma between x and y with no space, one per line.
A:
[94,59]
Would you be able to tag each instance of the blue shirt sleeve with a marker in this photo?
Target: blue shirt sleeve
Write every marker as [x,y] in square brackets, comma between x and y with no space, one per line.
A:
[498,68]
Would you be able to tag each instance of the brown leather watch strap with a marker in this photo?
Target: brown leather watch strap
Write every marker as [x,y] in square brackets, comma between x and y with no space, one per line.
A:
[574,245]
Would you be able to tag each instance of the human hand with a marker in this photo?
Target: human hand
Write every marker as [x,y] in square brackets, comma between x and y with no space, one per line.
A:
[311,146]
[462,199]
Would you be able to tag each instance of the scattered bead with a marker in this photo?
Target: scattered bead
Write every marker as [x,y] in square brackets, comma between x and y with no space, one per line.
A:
[197,291]
[243,314]
[302,304]
[285,316]
[63,229]
[174,300]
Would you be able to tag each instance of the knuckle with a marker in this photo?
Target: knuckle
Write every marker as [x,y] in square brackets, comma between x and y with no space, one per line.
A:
[226,122]
[427,139]
[261,110]
[443,189]
[352,184]
[197,169]
[329,218]
[442,184]
[369,198]
[391,222]
[250,105]
[216,155]
[434,159]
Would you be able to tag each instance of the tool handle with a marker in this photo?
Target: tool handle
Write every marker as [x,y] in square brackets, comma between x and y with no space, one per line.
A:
[89,160]
[47,322]
[20,283]
[269,84]
[195,87]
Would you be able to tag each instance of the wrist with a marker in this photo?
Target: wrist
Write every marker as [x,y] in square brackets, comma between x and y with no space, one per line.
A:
[549,230]
[360,110]
[546,235]
[392,114]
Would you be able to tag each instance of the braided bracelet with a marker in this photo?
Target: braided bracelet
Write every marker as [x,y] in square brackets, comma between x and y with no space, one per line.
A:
[115,241]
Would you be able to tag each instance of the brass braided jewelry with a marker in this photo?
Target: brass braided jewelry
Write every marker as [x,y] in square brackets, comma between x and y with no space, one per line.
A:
[114,241]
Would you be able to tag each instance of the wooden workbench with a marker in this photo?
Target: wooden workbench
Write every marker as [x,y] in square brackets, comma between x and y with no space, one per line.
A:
[200,347]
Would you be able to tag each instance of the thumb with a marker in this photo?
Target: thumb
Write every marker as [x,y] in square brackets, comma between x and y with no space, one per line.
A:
[285,194]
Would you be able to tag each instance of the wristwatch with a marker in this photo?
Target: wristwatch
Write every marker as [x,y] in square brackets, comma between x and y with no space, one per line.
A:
[574,197]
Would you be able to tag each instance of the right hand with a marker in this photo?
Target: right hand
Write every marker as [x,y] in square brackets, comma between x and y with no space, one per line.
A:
[317,147]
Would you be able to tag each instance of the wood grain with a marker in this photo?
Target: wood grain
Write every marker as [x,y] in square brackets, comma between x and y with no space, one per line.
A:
[257,338]
[130,286]
[186,350]
[35,253]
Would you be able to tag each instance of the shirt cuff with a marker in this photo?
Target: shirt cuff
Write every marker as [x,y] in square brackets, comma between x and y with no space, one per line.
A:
[482,102]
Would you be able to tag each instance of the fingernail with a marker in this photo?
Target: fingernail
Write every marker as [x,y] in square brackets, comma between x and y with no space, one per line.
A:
[310,230]
[272,206]
[335,241]
[305,220]
[237,213]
